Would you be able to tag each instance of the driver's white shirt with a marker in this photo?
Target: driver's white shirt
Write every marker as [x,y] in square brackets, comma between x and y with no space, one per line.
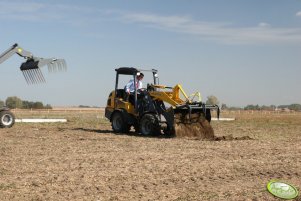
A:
[130,87]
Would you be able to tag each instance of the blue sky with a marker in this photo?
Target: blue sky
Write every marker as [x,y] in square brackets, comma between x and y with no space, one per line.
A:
[241,51]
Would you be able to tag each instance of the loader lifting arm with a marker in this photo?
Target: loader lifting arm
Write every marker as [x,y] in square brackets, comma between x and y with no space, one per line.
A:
[31,67]
[185,106]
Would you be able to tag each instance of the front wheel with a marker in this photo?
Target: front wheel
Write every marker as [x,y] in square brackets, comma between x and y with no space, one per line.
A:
[7,119]
[118,123]
[149,125]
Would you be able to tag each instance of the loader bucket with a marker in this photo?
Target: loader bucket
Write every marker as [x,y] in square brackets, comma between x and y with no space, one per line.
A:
[31,72]
[192,121]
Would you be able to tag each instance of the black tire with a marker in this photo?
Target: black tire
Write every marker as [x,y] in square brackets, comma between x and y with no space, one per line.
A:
[119,124]
[7,119]
[149,125]
[169,132]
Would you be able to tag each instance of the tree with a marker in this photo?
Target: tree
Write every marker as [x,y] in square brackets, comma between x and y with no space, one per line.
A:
[27,104]
[84,106]
[1,103]
[296,107]
[38,105]
[48,106]
[252,107]
[224,106]
[212,100]
[13,102]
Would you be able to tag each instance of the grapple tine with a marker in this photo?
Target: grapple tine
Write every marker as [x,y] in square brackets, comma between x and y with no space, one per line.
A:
[35,76]
[57,65]
[52,67]
[29,77]
[64,65]
[26,76]
[39,76]
[61,66]
[29,73]
[49,68]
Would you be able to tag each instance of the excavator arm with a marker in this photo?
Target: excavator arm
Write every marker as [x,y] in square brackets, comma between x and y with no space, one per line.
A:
[31,67]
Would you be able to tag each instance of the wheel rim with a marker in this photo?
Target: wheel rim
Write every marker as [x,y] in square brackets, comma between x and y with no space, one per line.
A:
[146,127]
[7,120]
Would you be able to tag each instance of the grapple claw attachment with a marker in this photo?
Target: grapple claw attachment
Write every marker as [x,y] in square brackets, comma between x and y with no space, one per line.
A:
[32,68]
[31,72]
[57,65]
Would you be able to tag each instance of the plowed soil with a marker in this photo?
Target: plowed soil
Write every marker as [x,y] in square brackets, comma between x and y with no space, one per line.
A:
[84,160]
[193,127]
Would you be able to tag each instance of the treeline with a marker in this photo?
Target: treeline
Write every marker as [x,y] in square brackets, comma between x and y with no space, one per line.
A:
[294,107]
[14,102]
[87,106]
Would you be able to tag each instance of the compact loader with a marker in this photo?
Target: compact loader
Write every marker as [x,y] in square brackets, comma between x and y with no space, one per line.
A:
[31,68]
[158,108]
[32,73]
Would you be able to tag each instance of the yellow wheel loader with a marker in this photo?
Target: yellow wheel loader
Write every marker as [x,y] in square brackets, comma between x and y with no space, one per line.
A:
[158,109]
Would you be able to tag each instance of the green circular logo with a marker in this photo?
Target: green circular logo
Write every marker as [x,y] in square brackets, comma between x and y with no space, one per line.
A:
[282,190]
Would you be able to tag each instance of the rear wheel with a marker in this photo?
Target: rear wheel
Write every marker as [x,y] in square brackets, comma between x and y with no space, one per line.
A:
[7,119]
[149,125]
[119,124]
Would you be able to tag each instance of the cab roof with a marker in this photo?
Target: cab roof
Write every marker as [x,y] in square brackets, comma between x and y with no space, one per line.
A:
[132,70]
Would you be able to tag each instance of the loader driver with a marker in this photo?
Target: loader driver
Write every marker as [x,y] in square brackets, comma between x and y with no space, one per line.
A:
[130,87]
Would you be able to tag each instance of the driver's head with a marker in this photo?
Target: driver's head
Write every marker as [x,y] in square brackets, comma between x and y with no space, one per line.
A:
[140,76]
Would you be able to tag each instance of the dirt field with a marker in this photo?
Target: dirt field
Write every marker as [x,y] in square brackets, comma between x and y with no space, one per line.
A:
[84,160]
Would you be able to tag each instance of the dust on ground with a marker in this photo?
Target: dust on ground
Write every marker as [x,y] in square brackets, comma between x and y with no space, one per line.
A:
[195,126]
[84,160]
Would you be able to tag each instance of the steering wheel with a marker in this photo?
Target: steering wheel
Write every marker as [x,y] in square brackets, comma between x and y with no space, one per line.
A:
[141,90]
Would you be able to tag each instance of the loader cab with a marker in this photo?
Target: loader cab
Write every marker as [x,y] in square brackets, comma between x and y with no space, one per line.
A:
[119,110]
[124,74]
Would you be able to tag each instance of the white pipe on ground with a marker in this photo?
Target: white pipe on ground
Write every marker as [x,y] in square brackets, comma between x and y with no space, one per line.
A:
[40,120]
